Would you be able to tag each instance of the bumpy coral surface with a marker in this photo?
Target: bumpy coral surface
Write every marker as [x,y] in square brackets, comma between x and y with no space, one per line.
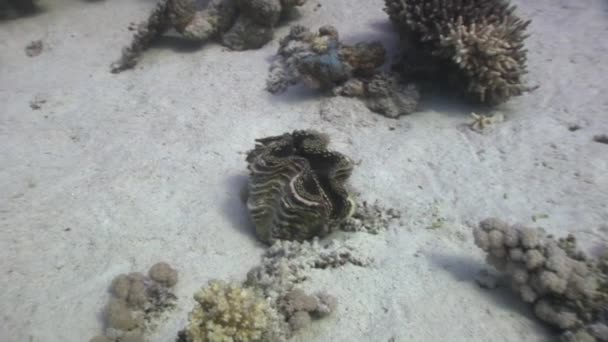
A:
[478,43]
[321,61]
[136,302]
[297,186]
[229,312]
[568,289]
[237,24]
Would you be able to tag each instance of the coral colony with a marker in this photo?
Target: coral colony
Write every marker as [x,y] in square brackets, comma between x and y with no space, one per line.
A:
[321,61]
[237,24]
[297,191]
[477,45]
[567,289]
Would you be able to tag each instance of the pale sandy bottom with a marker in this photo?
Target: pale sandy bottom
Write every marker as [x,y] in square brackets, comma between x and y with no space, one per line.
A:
[116,172]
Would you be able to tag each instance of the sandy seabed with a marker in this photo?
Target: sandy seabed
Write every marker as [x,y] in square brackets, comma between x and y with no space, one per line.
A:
[116,172]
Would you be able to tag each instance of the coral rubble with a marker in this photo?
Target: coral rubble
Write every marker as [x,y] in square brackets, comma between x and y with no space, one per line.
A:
[288,263]
[237,24]
[568,289]
[296,187]
[477,45]
[321,61]
[370,218]
[136,302]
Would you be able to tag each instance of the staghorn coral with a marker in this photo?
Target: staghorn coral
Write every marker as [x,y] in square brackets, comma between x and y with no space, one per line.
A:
[567,289]
[321,61]
[297,188]
[136,302]
[476,44]
[230,312]
[237,24]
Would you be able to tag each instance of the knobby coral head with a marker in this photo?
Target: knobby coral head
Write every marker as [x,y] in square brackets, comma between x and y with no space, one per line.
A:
[297,187]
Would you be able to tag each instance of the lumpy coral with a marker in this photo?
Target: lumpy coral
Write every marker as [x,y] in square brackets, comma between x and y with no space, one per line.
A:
[297,187]
[321,61]
[567,289]
[136,301]
[300,307]
[237,24]
[476,44]
[230,312]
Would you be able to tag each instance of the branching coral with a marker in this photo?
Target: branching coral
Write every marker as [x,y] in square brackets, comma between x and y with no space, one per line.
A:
[479,44]
[568,289]
[321,61]
[238,24]
[297,186]
[230,312]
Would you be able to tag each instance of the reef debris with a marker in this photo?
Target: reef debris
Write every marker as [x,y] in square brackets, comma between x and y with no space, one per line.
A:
[482,121]
[474,45]
[568,289]
[237,24]
[296,187]
[321,61]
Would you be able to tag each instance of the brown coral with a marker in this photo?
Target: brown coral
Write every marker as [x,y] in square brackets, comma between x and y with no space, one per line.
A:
[478,43]
[568,289]
[238,24]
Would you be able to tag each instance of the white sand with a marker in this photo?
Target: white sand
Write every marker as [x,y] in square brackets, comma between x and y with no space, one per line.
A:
[116,172]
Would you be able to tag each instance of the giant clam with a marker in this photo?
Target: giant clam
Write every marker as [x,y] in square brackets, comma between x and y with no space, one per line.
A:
[296,188]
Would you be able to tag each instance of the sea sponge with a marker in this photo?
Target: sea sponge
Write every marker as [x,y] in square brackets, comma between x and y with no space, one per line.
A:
[321,61]
[296,187]
[230,312]
[477,44]
[237,24]
[568,289]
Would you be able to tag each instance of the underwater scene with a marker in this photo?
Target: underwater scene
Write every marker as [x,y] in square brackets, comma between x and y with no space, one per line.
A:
[303,170]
